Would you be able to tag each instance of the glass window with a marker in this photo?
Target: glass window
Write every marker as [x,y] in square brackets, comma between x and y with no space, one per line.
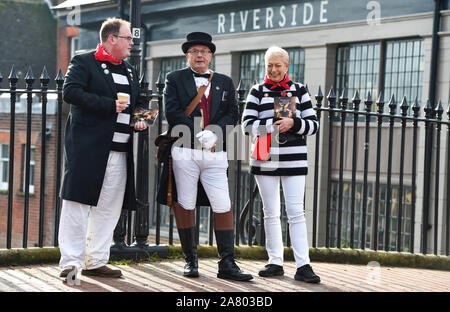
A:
[4,166]
[404,69]
[73,46]
[346,214]
[357,69]
[32,164]
[406,217]
[253,71]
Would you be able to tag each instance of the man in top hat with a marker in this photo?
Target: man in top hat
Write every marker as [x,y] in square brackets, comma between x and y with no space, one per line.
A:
[202,154]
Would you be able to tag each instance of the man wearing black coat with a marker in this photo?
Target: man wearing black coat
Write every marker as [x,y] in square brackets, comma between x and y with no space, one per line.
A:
[98,177]
[200,153]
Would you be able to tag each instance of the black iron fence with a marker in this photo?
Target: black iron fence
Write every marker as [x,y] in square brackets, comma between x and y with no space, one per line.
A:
[366,193]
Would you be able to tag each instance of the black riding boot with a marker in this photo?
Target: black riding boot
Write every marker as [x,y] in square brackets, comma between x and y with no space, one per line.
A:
[228,268]
[189,246]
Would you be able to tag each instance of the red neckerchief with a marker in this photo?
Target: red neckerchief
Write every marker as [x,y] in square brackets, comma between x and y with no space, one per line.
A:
[102,55]
[282,83]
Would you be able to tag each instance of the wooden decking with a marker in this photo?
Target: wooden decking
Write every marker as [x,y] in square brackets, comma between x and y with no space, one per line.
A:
[166,276]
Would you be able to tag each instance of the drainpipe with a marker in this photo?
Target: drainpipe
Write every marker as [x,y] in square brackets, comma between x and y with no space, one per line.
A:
[429,129]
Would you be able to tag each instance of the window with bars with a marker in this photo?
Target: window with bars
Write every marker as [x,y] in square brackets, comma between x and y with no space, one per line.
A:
[357,68]
[252,69]
[404,68]
[4,166]
[346,215]
[406,220]
[398,70]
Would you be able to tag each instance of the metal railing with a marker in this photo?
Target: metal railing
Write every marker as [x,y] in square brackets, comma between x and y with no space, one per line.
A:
[329,169]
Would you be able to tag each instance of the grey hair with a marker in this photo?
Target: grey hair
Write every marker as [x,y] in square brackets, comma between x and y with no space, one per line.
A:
[277,51]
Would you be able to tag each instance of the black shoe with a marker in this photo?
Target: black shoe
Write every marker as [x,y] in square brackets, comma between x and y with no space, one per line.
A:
[271,270]
[228,269]
[191,267]
[306,274]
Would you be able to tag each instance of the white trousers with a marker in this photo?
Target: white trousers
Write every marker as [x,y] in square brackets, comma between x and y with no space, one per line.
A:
[86,232]
[190,165]
[293,190]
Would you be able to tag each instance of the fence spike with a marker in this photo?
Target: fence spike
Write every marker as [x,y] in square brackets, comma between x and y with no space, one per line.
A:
[439,110]
[13,78]
[368,96]
[319,97]
[44,76]
[331,94]
[416,108]
[59,78]
[319,92]
[356,96]
[428,109]
[380,98]
[380,102]
[29,77]
[368,102]
[356,101]
[392,104]
[404,106]
[144,81]
[160,80]
[240,88]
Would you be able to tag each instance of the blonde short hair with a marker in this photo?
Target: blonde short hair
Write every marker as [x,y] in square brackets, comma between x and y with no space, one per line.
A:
[277,51]
[111,27]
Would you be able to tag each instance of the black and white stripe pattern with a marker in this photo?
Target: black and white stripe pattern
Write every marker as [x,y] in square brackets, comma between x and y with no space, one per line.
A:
[122,129]
[285,159]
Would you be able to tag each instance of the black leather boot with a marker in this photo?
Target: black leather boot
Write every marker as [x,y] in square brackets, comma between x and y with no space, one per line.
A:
[228,268]
[189,246]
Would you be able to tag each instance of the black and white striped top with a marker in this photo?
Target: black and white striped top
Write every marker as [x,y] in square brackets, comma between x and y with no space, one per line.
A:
[122,130]
[285,159]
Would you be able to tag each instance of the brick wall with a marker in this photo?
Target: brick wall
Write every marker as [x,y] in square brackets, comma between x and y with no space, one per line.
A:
[18,189]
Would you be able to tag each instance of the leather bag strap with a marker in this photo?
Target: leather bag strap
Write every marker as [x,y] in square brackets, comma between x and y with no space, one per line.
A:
[196,100]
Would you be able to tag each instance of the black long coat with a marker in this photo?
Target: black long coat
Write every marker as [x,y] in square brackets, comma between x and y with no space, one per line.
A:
[91,93]
[179,91]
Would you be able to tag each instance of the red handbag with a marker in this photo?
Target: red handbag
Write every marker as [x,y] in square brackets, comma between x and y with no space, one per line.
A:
[262,147]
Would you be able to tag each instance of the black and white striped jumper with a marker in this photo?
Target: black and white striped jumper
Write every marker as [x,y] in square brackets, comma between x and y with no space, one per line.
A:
[286,159]
[122,129]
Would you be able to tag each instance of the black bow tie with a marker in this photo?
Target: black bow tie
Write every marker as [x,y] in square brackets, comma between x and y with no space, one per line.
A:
[201,75]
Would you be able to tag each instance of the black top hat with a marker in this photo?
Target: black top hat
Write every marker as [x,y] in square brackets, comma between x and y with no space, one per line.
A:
[195,38]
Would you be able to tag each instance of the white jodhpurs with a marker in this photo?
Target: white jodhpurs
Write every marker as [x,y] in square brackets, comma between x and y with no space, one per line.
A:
[190,165]
[293,190]
[86,232]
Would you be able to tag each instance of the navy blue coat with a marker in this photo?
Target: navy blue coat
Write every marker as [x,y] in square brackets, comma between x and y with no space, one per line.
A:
[91,93]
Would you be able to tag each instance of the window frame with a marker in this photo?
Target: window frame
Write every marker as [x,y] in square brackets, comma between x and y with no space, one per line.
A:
[4,163]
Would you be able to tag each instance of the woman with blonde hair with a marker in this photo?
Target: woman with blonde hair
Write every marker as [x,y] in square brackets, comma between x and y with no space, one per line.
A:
[284,159]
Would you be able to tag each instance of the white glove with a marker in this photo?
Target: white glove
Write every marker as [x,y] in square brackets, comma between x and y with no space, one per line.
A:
[207,138]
